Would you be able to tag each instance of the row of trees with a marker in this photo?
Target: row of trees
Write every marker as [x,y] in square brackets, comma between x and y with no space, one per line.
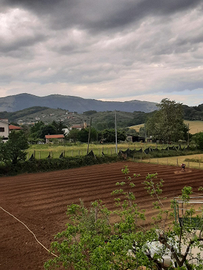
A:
[107,135]
[39,130]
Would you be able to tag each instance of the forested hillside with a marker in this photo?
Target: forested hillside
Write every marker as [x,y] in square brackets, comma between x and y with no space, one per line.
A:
[100,120]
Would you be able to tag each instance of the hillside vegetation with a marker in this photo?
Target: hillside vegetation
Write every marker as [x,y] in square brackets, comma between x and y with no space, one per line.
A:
[100,120]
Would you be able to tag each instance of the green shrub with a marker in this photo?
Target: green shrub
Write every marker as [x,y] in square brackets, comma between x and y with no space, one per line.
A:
[44,165]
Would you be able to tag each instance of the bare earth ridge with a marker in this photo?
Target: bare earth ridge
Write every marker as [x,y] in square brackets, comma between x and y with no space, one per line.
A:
[40,201]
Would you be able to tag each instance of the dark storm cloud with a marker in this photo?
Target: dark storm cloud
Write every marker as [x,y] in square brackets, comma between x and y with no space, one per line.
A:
[101,49]
[100,15]
[38,6]
[132,11]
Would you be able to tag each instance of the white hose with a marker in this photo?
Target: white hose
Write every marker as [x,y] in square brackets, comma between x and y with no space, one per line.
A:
[29,231]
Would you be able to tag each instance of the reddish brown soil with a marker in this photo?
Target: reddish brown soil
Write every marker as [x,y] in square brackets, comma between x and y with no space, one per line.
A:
[39,200]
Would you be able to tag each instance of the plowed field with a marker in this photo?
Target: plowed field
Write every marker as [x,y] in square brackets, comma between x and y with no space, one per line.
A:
[39,201]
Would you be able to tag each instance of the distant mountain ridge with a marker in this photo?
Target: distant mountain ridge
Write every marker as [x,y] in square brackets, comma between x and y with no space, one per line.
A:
[72,103]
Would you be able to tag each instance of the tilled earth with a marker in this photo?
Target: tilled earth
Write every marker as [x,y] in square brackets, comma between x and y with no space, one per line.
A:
[40,201]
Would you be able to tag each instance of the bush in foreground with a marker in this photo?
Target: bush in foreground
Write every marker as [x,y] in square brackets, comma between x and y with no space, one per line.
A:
[92,242]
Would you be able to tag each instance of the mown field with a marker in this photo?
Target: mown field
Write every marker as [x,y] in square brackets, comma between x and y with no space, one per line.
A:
[194,126]
[191,161]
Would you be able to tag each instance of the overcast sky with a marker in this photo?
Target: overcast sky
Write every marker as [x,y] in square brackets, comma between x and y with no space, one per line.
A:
[108,50]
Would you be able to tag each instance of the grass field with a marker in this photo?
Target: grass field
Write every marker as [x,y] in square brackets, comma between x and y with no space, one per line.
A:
[194,126]
[191,161]
[43,150]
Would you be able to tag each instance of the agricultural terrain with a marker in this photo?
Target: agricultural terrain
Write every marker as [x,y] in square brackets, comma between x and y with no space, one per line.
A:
[39,201]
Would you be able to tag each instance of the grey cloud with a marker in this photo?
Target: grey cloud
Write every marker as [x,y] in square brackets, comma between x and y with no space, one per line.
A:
[38,6]
[19,44]
[101,15]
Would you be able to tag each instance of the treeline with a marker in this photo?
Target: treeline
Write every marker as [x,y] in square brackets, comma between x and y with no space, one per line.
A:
[193,113]
[38,131]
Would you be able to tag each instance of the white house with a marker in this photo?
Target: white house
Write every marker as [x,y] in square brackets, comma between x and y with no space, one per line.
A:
[4,128]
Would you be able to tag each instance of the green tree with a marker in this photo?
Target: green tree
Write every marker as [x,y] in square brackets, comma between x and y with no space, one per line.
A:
[73,135]
[89,113]
[13,150]
[108,135]
[84,133]
[142,132]
[167,123]
[47,130]
[58,126]
[35,130]
[198,138]
[92,242]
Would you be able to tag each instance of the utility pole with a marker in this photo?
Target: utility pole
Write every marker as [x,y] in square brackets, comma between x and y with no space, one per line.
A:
[116,134]
[188,137]
[89,135]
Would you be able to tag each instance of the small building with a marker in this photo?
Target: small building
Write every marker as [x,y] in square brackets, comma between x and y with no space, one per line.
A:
[50,138]
[79,127]
[4,128]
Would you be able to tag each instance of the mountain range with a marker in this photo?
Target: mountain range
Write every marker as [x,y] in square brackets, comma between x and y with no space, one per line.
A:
[72,103]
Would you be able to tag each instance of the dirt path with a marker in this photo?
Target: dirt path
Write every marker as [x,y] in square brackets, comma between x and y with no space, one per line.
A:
[39,200]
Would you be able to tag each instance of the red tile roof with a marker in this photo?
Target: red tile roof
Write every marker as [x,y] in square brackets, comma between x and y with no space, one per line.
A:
[56,136]
[12,127]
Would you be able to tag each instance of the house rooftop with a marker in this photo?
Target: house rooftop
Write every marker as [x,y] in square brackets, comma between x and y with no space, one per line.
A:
[12,127]
[55,136]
